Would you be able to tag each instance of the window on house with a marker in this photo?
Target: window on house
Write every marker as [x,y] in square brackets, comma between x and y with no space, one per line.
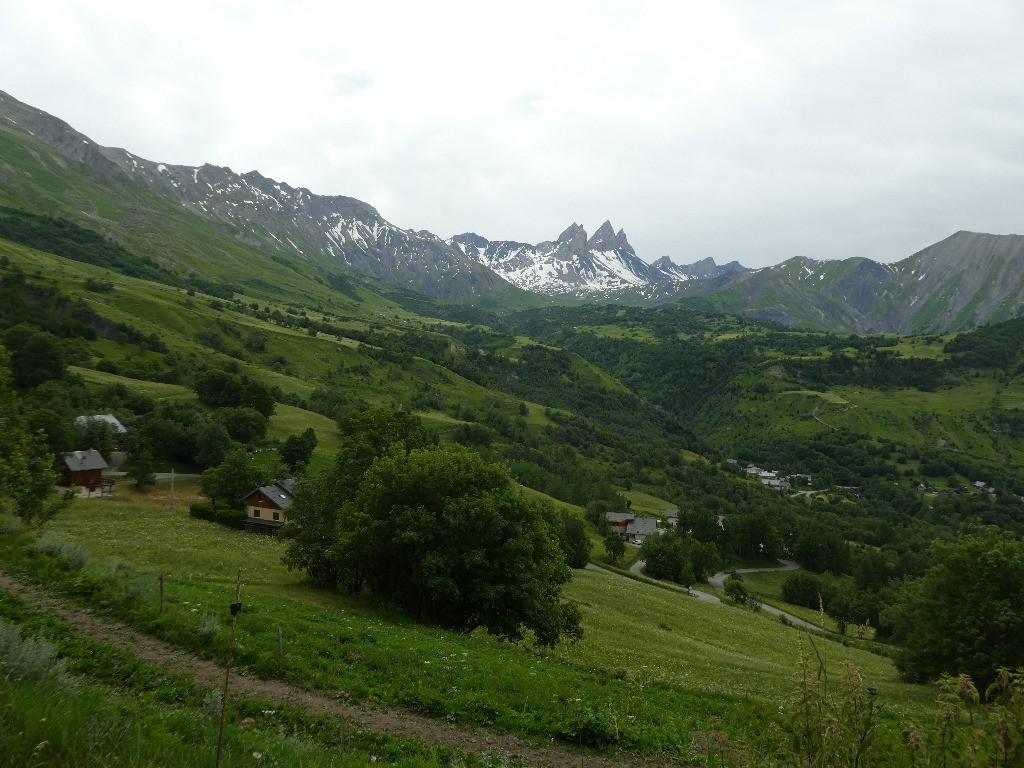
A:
[277,515]
[255,513]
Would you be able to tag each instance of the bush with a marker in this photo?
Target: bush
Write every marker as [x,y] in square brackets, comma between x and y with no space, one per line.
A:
[229,518]
[27,658]
[71,556]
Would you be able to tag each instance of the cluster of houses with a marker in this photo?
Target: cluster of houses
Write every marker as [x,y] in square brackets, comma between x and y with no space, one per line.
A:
[635,529]
[978,486]
[773,480]
[266,507]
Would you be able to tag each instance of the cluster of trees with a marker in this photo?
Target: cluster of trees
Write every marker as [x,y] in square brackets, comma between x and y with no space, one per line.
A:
[435,531]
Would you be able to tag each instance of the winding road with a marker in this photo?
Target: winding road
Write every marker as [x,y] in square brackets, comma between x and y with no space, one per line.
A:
[718,582]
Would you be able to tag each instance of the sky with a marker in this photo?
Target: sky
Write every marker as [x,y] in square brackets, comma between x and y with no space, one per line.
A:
[735,129]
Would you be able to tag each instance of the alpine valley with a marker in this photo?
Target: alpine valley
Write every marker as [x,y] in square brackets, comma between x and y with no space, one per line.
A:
[638,441]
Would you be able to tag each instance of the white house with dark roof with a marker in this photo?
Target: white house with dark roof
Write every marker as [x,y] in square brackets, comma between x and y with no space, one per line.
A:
[266,507]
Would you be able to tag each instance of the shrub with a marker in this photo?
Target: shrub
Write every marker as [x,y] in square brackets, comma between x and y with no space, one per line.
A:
[209,628]
[28,658]
[71,556]
[230,518]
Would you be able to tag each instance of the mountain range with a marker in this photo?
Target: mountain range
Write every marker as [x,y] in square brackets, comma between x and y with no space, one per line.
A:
[961,282]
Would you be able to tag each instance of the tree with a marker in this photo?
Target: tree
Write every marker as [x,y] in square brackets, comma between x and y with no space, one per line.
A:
[297,450]
[141,470]
[26,465]
[572,537]
[448,538]
[212,444]
[963,615]
[614,546]
[246,425]
[736,590]
[233,478]
[318,499]
[36,356]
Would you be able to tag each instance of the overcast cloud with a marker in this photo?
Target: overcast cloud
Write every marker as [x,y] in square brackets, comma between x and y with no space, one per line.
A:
[737,129]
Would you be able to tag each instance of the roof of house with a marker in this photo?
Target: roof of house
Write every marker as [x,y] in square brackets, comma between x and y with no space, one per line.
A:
[672,512]
[80,461]
[112,420]
[642,526]
[619,517]
[279,493]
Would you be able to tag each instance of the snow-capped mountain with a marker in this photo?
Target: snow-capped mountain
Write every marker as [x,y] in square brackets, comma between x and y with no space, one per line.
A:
[580,266]
[273,216]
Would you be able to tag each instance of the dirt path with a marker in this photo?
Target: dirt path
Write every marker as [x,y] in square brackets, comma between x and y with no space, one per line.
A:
[207,674]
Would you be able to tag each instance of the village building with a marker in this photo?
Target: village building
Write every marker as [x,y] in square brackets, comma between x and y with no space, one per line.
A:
[775,484]
[617,521]
[640,528]
[84,469]
[266,507]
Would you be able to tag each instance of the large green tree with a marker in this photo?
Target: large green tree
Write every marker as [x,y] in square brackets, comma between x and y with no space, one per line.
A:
[448,538]
[964,614]
[233,478]
[26,465]
[318,498]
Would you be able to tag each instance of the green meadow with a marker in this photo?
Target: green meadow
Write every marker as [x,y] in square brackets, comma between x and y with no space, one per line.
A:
[653,665]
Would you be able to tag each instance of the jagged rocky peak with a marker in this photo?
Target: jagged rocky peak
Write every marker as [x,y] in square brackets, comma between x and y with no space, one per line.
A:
[471,238]
[573,239]
[607,239]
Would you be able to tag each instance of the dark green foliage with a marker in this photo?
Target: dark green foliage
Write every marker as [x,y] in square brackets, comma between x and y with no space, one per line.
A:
[318,499]
[572,538]
[61,237]
[448,539]
[736,590]
[964,614]
[991,346]
[806,589]
[296,450]
[229,517]
[231,480]
[821,549]
[35,356]
[221,389]
[679,557]
[141,470]
[212,443]
[26,465]
[247,425]
[614,546]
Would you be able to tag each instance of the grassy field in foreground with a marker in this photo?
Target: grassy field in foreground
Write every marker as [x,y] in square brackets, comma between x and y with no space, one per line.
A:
[661,642]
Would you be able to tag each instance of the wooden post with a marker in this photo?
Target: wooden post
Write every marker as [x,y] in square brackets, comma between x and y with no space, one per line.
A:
[172,487]
[161,593]
[280,644]
[235,609]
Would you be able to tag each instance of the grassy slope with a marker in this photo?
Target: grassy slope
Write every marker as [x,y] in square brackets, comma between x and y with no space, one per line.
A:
[660,641]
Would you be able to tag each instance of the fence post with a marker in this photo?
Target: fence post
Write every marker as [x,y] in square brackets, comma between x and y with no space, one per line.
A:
[161,593]
[236,608]
[280,644]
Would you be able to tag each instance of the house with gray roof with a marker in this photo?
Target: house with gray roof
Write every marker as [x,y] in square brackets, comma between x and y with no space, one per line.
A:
[267,507]
[83,468]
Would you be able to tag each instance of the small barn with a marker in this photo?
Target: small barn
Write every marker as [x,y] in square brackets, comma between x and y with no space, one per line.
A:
[83,468]
[267,507]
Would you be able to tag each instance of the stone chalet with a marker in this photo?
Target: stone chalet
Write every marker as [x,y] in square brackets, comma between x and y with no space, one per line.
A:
[267,507]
